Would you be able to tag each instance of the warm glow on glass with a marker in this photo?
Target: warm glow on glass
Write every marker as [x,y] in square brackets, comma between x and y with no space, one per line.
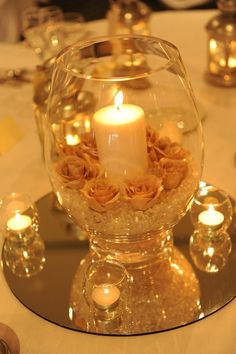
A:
[72,139]
[213,44]
[232,62]
[222,62]
[210,251]
[87,125]
[229,28]
[202,184]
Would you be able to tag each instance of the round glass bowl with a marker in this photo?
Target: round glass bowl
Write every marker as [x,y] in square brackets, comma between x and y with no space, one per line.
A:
[123,166]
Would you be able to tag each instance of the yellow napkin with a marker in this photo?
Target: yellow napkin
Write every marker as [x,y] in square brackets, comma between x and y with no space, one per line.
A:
[10,134]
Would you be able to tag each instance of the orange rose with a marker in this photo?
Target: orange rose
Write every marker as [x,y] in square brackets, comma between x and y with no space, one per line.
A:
[143,192]
[88,145]
[175,151]
[101,194]
[74,171]
[157,146]
[174,171]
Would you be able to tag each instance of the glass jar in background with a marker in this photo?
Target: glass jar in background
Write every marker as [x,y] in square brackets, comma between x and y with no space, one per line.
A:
[72,110]
[128,17]
[48,30]
[37,25]
[221,29]
[41,86]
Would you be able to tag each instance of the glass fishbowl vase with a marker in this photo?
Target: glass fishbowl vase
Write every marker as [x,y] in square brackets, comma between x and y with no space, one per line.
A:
[125,166]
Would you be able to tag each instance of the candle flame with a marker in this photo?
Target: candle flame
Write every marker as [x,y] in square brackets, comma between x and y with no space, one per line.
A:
[211,210]
[119,100]
[17,216]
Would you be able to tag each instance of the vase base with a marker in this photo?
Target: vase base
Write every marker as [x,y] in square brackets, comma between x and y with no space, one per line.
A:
[161,296]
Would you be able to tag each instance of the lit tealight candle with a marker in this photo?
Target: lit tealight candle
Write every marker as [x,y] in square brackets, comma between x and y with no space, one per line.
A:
[120,134]
[105,296]
[19,222]
[211,217]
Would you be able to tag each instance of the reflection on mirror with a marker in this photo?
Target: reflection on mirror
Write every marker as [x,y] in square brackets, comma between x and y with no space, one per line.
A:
[210,244]
[185,293]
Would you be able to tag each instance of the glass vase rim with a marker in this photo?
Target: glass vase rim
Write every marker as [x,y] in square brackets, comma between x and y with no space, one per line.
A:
[81,44]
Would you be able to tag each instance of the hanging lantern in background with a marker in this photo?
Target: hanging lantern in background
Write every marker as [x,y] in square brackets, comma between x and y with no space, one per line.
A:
[222,45]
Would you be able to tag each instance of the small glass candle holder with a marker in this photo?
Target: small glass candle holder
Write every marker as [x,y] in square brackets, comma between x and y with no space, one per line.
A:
[71,109]
[221,31]
[19,218]
[27,259]
[211,214]
[106,291]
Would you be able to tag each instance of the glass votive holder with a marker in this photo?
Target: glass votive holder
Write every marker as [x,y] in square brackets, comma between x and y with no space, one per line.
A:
[19,218]
[221,30]
[211,214]
[27,259]
[106,291]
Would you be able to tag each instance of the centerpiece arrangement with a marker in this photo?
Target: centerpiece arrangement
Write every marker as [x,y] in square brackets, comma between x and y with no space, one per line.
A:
[126,168]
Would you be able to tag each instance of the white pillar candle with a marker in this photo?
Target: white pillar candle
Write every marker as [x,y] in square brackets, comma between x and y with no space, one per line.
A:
[120,134]
[211,217]
[19,222]
[105,296]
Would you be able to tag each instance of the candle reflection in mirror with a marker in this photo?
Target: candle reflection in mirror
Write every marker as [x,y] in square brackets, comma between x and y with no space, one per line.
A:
[25,259]
[210,243]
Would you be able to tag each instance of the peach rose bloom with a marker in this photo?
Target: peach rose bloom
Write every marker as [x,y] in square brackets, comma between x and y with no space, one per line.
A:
[74,171]
[101,194]
[143,192]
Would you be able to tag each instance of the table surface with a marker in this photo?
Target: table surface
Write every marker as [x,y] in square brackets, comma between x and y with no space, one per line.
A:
[22,169]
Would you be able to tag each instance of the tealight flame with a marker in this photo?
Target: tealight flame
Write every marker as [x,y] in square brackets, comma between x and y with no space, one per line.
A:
[119,100]
[211,210]
[17,217]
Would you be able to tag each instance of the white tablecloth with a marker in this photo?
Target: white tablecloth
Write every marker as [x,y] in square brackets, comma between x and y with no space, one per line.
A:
[22,169]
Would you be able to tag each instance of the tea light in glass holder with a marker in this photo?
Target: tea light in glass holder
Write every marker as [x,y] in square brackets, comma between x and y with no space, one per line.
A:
[25,259]
[19,222]
[19,217]
[211,214]
[211,217]
[221,31]
[105,296]
[106,292]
